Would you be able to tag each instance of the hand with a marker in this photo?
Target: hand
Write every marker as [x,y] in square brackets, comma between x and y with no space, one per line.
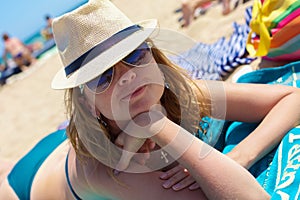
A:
[144,150]
[131,145]
[179,178]
[143,126]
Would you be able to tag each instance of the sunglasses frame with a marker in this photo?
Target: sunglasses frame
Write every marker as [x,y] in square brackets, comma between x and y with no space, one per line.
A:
[81,87]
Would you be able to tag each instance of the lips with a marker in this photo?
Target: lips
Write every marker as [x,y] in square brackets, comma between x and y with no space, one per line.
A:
[138,91]
[134,93]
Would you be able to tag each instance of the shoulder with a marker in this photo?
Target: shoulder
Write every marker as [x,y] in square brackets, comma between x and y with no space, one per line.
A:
[88,177]
[94,179]
[50,177]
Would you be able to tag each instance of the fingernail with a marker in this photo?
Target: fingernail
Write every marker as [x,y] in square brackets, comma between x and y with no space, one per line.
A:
[192,187]
[116,172]
[167,184]
[177,187]
[163,176]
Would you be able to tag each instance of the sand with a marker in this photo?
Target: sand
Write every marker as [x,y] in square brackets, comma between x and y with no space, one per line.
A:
[30,109]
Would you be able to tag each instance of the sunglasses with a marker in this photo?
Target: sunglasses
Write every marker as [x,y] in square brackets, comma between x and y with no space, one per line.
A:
[137,58]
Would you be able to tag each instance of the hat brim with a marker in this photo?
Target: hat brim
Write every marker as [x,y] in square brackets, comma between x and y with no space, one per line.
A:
[104,60]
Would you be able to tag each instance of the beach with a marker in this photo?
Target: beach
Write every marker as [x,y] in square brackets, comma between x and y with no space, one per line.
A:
[30,109]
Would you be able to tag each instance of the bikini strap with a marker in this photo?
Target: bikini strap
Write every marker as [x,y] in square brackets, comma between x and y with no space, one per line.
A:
[68,179]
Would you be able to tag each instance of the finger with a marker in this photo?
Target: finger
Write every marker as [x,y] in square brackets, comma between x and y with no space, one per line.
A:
[194,186]
[175,179]
[144,148]
[148,146]
[120,139]
[184,183]
[124,160]
[171,172]
[131,146]
[151,144]
[144,152]
[141,158]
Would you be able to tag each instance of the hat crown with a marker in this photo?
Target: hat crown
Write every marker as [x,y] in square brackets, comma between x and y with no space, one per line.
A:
[80,30]
[93,38]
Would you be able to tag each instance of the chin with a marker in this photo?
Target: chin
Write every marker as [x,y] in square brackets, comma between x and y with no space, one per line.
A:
[142,102]
[138,110]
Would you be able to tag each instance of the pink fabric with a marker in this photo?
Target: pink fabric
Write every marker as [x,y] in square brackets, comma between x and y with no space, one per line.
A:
[274,31]
[286,57]
[289,18]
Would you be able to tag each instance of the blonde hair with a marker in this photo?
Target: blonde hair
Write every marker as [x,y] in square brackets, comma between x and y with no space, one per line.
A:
[182,99]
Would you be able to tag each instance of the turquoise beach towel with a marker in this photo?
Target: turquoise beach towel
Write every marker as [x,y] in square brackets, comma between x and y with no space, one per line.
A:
[278,172]
[282,178]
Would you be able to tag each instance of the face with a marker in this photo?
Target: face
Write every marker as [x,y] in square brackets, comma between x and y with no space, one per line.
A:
[131,87]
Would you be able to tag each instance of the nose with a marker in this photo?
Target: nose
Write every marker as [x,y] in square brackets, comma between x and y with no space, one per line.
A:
[127,77]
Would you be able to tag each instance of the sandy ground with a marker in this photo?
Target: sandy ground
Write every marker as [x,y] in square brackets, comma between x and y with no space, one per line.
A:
[30,109]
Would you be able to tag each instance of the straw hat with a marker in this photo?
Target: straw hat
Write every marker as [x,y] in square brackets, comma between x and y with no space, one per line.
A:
[93,38]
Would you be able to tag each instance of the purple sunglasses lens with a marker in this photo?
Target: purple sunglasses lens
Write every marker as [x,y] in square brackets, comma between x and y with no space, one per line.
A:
[102,82]
[138,55]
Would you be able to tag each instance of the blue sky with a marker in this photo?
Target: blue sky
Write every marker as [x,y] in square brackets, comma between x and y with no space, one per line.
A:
[23,18]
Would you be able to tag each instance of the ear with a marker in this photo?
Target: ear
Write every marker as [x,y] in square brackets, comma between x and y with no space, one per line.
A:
[91,108]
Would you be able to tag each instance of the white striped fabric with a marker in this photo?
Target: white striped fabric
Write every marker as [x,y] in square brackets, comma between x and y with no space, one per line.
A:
[218,60]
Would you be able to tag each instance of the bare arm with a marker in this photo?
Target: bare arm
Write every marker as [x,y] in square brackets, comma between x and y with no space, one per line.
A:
[277,107]
[218,176]
[188,8]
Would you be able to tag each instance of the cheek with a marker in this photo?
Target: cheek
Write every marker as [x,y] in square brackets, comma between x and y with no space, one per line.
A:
[104,105]
[101,103]
[156,93]
[113,109]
